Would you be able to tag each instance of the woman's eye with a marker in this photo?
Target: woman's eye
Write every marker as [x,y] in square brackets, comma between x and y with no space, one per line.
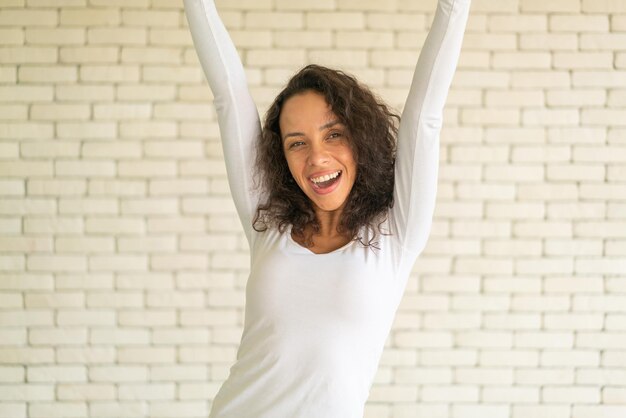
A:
[295,144]
[334,135]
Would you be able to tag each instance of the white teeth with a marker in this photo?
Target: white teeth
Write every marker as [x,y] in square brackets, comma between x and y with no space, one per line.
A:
[325,178]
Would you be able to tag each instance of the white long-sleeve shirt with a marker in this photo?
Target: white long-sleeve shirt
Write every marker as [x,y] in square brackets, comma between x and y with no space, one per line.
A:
[315,324]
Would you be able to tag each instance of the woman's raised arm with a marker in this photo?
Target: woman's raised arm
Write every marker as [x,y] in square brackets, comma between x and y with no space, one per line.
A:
[237,115]
[418,136]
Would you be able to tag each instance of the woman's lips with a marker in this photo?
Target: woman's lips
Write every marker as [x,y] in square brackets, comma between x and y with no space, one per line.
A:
[328,189]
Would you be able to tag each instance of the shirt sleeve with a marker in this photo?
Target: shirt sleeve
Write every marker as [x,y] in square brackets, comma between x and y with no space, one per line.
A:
[417,155]
[237,114]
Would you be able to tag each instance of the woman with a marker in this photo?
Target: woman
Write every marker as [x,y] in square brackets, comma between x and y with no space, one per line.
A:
[332,245]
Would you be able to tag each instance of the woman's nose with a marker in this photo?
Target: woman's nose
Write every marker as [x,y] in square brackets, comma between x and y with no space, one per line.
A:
[318,155]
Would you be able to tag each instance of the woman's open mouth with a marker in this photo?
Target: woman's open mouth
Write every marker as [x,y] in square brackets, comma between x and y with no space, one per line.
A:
[327,183]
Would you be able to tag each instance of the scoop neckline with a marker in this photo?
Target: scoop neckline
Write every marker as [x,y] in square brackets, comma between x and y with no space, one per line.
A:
[309,252]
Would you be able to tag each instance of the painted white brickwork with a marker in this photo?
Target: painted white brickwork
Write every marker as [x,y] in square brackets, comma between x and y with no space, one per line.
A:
[123,265]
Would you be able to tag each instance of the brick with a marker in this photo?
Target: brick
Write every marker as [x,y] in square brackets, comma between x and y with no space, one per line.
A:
[150,54]
[85,355]
[484,376]
[508,247]
[111,74]
[12,262]
[75,317]
[551,117]
[25,244]
[180,262]
[90,17]
[8,75]
[516,135]
[482,191]
[324,20]
[56,36]
[21,355]
[424,339]
[517,23]
[551,41]
[24,392]
[455,393]
[147,244]
[11,300]
[117,36]
[57,374]
[114,187]
[153,391]
[517,60]
[406,21]
[59,111]
[11,374]
[576,98]
[549,6]
[16,17]
[577,135]
[26,130]
[152,206]
[12,187]
[27,206]
[607,6]
[47,74]
[85,244]
[614,395]
[108,150]
[276,58]
[56,187]
[602,191]
[496,6]
[121,262]
[146,355]
[114,225]
[483,266]
[144,280]
[544,376]
[85,168]
[570,394]
[145,169]
[9,151]
[487,411]
[88,54]
[570,358]
[84,92]
[177,74]
[118,374]
[541,411]
[179,37]
[12,36]
[514,98]
[544,340]
[509,358]
[11,111]
[518,173]
[27,94]
[516,395]
[157,18]
[178,372]
[86,392]
[517,321]
[145,93]
[146,317]
[492,116]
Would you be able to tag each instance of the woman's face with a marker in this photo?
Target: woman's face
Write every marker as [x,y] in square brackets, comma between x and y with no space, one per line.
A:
[317,150]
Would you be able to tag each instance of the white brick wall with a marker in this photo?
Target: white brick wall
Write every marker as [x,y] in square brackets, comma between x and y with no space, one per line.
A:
[123,265]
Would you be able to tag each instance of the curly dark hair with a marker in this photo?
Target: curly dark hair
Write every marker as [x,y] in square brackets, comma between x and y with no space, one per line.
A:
[371,130]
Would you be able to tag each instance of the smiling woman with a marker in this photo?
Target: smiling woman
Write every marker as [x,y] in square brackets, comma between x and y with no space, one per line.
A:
[325,122]
[321,297]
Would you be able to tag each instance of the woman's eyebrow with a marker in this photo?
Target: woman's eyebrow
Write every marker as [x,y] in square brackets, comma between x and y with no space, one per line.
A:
[321,128]
[329,124]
